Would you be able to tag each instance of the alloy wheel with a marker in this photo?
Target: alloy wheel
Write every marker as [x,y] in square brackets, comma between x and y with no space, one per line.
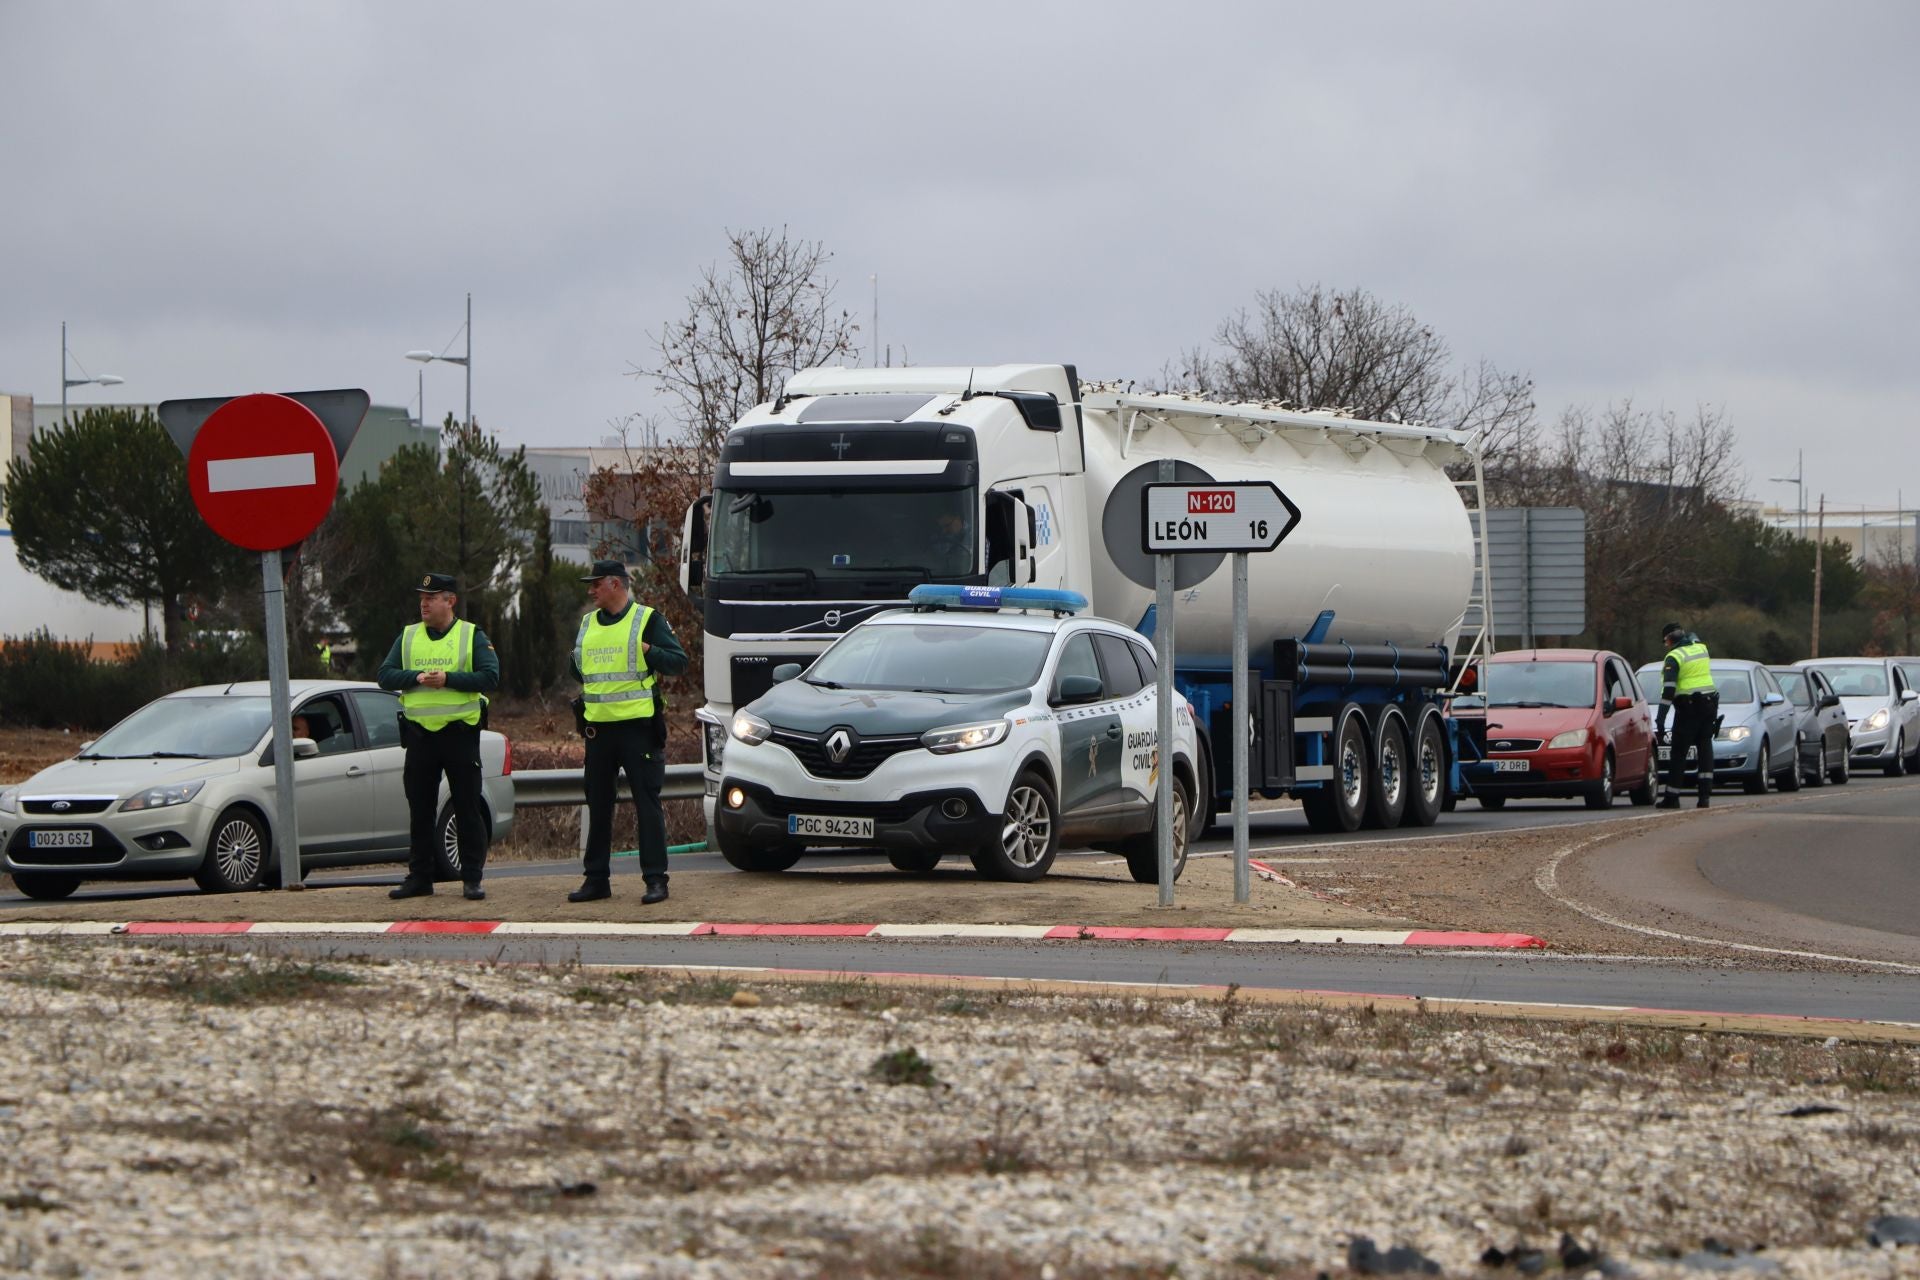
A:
[1028,829]
[237,851]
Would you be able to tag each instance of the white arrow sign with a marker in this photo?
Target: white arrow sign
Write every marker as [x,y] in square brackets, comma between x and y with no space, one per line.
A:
[1214,516]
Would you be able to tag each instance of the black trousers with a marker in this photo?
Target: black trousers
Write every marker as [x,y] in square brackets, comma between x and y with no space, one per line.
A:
[633,747]
[455,752]
[1693,717]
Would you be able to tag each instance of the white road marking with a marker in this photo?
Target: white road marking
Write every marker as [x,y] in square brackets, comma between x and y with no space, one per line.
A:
[268,471]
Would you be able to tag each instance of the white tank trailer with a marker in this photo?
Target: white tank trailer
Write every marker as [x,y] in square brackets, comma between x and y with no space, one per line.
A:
[855,485]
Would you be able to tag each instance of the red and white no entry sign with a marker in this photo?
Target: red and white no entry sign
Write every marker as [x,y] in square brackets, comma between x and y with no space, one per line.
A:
[263,472]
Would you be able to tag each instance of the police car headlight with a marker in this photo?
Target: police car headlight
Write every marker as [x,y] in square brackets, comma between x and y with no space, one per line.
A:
[1739,733]
[10,800]
[1878,720]
[1571,738]
[964,737]
[162,797]
[750,728]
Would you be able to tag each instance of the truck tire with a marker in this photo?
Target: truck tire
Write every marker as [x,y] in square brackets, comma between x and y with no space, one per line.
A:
[237,853]
[1427,776]
[742,856]
[1340,803]
[1143,851]
[915,861]
[1387,784]
[1029,834]
[46,886]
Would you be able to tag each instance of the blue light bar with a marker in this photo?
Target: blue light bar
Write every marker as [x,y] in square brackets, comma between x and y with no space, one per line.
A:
[940,596]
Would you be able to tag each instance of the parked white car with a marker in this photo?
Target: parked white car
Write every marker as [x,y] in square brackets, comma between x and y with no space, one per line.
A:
[185,786]
[987,721]
[1883,711]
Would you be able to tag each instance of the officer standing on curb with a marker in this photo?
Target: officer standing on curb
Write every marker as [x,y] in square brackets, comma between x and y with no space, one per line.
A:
[1686,685]
[443,668]
[621,652]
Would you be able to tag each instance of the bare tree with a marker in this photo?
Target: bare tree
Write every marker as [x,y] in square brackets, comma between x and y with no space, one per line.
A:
[763,313]
[1893,591]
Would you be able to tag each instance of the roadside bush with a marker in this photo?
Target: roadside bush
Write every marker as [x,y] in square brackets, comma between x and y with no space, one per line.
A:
[50,684]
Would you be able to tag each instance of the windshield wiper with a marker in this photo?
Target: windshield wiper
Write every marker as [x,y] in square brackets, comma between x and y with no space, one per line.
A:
[1527,704]
[823,684]
[168,755]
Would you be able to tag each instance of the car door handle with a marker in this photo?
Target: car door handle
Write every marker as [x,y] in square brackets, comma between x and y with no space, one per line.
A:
[354,771]
[1113,731]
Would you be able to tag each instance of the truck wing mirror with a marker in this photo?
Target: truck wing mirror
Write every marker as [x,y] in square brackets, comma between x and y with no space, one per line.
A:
[693,545]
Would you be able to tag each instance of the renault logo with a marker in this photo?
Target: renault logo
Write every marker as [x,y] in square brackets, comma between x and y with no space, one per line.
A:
[839,746]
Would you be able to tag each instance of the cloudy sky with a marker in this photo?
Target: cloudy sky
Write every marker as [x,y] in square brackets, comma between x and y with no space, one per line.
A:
[1682,203]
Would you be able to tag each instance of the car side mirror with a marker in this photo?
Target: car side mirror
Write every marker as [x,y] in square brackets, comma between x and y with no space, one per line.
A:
[1078,689]
[1829,700]
[305,748]
[1910,695]
[1622,702]
[1771,699]
[786,671]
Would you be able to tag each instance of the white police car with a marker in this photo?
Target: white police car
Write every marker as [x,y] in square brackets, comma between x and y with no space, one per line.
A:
[989,721]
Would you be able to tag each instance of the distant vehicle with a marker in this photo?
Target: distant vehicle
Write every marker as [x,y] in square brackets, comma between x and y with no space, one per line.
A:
[1825,743]
[1757,723]
[1557,722]
[1001,733]
[1883,710]
[185,787]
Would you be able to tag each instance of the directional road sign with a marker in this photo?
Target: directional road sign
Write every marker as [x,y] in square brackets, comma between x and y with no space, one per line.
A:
[263,471]
[1214,516]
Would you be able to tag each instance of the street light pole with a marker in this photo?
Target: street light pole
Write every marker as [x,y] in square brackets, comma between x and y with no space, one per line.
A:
[469,363]
[104,379]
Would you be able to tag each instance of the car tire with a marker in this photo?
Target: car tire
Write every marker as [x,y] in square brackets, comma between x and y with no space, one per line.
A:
[1816,776]
[46,886]
[1600,794]
[1143,851]
[238,851]
[1029,833]
[1387,781]
[1642,796]
[1789,778]
[1493,802]
[1842,773]
[446,857]
[1427,792]
[916,861]
[1756,785]
[742,856]
[1896,765]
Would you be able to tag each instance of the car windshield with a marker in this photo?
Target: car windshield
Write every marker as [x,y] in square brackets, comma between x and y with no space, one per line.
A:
[1799,688]
[1734,686]
[1857,679]
[207,728]
[932,658]
[1539,684]
[928,533]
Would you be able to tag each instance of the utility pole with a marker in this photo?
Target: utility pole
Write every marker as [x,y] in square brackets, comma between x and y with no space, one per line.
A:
[1819,554]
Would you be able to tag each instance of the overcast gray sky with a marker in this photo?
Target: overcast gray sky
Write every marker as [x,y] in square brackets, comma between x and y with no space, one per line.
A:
[1681,203]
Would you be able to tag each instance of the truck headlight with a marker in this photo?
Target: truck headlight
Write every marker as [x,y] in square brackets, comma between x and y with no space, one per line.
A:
[10,800]
[750,728]
[162,797]
[1878,720]
[716,735]
[964,737]
[1738,733]
[1571,738]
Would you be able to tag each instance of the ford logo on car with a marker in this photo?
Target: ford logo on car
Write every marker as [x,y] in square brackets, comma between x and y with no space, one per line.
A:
[61,806]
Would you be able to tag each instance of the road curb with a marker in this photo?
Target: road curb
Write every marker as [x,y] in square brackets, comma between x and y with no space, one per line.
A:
[721,929]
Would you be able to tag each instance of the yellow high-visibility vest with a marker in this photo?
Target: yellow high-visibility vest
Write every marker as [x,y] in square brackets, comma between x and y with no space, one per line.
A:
[438,708]
[1696,668]
[613,667]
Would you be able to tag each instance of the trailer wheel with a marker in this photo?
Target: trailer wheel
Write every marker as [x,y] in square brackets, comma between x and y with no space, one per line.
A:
[1427,776]
[1388,784]
[1340,803]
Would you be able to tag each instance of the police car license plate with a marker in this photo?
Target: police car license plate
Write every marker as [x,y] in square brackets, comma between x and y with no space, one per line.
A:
[1509,766]
[808,824]
[60,839]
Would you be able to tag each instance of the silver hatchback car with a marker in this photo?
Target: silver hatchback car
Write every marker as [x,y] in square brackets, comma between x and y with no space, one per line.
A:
[185,786]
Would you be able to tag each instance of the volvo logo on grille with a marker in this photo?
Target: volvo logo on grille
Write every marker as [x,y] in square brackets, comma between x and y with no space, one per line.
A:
[61,806]
[839,746]
[832,618]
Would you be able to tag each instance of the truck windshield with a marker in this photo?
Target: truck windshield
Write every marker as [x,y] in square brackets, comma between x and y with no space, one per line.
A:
[930,534]
[933,659]
[1540,684]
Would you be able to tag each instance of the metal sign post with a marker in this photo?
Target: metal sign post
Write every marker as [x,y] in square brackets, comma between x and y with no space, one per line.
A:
[286,822]
[1163,707]
[1211,517]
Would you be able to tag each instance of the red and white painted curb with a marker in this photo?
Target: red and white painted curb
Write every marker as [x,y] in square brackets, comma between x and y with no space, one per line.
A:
[695,929]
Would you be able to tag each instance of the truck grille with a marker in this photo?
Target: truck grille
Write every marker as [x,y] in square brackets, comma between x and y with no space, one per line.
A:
[862,757]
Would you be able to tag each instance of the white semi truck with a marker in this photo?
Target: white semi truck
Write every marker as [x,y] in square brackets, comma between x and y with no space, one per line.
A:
[855,485]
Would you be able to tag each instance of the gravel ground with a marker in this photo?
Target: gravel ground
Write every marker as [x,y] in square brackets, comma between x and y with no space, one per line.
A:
[191,1113]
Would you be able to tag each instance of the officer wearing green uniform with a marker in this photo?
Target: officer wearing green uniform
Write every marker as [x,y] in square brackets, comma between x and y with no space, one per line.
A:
[621,652]
[1686,685]
[443,668]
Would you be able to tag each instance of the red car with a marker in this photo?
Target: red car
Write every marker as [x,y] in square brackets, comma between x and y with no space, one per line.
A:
[1556,722]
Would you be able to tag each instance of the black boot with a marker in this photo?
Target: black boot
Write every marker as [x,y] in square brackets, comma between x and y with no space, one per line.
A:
[1704,801]
[474,893]
[1668,801]
[656,891]
[591,890]
[411,888]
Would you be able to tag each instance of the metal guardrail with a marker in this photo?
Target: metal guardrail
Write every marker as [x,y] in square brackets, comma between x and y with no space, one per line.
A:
[533,788]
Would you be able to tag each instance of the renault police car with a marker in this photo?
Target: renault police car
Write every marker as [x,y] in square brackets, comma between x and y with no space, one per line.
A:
[991,721]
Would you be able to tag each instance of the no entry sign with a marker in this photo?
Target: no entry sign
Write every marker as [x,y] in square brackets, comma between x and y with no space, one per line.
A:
[263,472]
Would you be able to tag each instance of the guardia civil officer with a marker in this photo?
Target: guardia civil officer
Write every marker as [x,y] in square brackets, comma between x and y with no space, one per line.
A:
[443,668]
[1686,685]
[620,654]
